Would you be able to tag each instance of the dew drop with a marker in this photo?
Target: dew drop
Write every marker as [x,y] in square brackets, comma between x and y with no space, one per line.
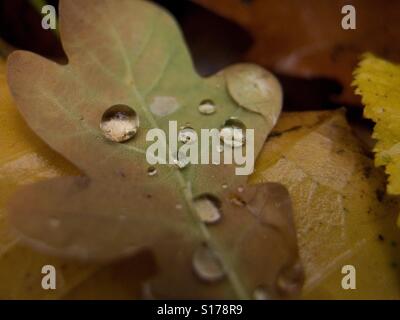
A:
[232,133]
[187,135]
[206,265]
[208,208]
[119,123]
[224,186]
[180,159]
[151,171]
[207,107]
[261,293]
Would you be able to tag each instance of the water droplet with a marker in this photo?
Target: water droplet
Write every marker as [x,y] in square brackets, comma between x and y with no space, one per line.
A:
[180,159]
[207,107]
[240,189]
[290,279]
[224,186]
[187,135]
[233,133]
[208,208]
[151,171]
[54,222]
[206,265]
[261,293]
[119,123]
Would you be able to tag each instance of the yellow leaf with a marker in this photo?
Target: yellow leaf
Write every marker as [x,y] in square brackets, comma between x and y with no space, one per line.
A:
[378,82]
[341,212]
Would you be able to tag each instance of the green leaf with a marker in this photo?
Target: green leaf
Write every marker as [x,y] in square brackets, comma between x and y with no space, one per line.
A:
[132,53]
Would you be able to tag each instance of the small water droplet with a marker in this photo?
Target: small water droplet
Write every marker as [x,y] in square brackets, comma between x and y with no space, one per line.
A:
[207,107]
[224,186]
[208,208]
[119,123]
[180,159]
[187,135]
[240,189]
[206,265]
[233,133]
[261,293]
[54,222]
[151,171]
[290,279]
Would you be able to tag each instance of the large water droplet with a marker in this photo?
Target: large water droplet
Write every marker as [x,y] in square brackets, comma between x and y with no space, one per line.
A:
[207,107]
[151,171]
[180,159]
[119,123]
[187,135]
[206,265]
[233,133]
[208,208]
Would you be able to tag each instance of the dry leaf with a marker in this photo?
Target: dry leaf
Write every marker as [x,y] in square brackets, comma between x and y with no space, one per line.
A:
[342,214]
[118,209]
[307,39]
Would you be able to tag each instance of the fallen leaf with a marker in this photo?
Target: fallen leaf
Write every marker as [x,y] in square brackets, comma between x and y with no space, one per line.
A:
[342,214]
[307,39]
[135,56]
[25,159]
[378,82]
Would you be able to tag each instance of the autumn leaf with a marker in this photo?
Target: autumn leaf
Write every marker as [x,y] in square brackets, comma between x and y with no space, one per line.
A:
[136,57]
[342,214]
[378,83]
[306,39]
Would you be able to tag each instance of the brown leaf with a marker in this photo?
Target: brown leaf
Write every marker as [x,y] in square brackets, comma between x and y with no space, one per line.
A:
[305,38]
[136,56]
